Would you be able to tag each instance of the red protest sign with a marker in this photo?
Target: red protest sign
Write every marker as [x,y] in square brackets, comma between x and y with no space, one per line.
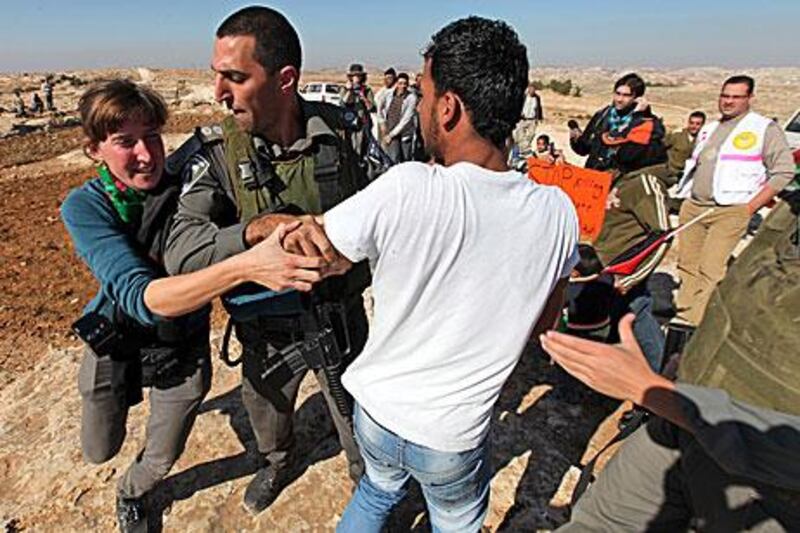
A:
[586,188]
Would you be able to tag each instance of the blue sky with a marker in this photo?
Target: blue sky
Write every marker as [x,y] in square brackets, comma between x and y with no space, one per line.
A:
[62,34]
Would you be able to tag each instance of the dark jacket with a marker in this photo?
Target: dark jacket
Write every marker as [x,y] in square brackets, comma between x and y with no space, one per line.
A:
[639,145]
[589,142]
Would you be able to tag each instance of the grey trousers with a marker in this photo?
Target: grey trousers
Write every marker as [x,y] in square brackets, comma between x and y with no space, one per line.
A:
[270,405]
[105,403]
[662,480]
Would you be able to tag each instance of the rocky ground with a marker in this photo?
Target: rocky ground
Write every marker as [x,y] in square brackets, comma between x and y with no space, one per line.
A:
[542,426]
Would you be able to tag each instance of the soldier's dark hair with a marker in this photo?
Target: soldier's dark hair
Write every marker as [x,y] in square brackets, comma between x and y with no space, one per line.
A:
[106,106]
[403,76]
[698,114]
[485,64]
[277,43]
[544,137]
[741,78]
[632,81]
[389,71]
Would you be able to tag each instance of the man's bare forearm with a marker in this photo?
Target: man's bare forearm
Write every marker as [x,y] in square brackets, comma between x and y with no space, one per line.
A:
[761,199]
[262,226]
[663,400]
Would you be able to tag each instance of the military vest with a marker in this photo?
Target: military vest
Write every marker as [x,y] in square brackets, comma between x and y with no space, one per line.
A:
[300,185]
[748,343]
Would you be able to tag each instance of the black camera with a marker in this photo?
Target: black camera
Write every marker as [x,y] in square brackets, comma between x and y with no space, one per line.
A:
[98,332]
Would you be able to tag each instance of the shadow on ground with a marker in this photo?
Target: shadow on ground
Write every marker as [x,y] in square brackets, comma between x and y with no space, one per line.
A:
[316,441]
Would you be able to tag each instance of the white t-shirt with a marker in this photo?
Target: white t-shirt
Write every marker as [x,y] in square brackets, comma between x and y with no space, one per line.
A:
[463,261]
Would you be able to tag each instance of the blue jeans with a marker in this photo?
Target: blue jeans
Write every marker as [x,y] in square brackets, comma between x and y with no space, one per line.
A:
[455,484]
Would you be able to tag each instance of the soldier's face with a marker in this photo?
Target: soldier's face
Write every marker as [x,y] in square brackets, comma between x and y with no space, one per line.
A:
[694,125]
[243,85]
[134,154]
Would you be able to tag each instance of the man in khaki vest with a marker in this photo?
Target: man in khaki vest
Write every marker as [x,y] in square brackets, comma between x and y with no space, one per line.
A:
[274,156]
[721,453]
[718,176]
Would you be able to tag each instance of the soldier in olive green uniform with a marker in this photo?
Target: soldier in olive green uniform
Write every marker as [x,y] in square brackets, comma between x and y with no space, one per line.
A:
[680,145]
[276,154]
[723,454]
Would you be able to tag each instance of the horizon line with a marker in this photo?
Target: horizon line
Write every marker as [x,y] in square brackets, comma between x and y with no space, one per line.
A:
[396,65]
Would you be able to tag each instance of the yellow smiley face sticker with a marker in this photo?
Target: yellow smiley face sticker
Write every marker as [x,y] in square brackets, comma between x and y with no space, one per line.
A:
[745,140]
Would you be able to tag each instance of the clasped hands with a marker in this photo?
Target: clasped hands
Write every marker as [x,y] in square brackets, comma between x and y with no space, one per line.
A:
[293,251]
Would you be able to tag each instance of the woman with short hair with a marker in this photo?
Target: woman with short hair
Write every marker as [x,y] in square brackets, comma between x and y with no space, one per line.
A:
[142,328]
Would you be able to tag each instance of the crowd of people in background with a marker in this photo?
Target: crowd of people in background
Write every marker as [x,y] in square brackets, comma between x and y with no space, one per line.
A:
[395,127]
[275,211]
[36,106]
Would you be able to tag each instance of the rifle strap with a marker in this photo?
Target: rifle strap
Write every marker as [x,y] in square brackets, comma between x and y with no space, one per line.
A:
[224,349]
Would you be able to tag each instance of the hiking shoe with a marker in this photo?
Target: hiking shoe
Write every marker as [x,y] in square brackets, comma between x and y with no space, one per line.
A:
[131,515]
[264,489]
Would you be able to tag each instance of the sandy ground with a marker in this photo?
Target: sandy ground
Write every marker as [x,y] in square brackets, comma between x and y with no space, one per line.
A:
[543,426]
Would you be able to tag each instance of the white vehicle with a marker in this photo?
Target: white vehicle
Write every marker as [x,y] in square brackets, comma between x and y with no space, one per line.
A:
[792,130]
[322,91]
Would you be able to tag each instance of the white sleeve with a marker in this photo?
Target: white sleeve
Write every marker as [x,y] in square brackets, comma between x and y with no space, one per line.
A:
[356,225]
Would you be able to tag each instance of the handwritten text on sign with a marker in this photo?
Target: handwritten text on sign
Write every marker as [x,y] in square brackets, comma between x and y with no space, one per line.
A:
[586,188]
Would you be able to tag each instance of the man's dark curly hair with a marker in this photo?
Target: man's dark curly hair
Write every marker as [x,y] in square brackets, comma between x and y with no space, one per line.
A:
[485,64]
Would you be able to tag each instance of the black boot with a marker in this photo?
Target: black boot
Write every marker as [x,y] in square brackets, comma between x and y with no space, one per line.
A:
[131,515]
[264,488]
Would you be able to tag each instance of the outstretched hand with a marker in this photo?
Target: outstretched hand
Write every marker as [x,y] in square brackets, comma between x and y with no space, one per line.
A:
[278,269]
[620,371]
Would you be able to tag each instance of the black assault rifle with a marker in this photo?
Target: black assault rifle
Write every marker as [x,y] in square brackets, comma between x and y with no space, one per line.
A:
[320,351]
